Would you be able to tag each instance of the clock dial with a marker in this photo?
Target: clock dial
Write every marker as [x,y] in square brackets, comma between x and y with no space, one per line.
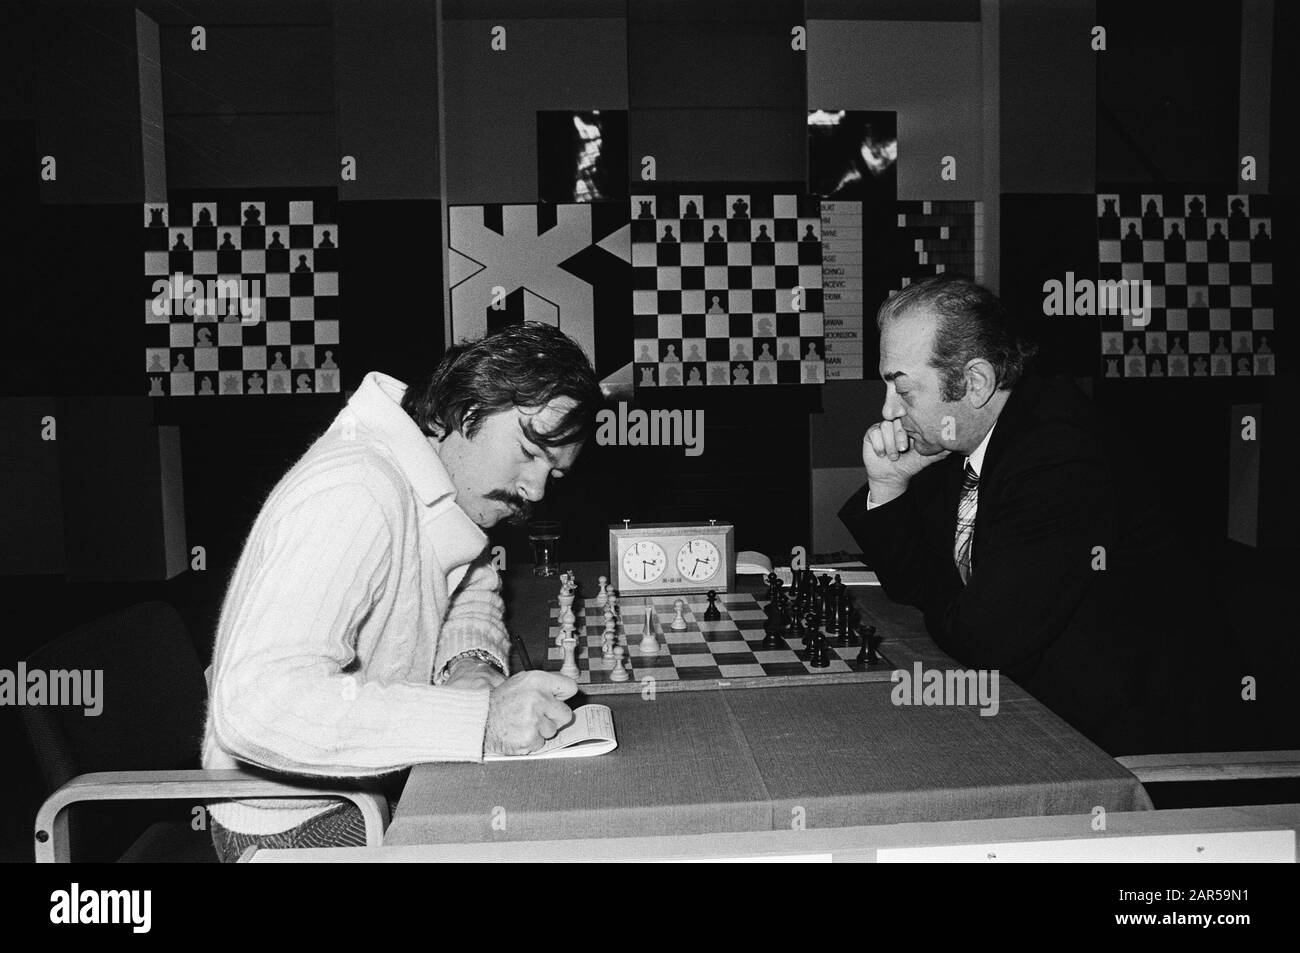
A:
[644,561]
[698,560]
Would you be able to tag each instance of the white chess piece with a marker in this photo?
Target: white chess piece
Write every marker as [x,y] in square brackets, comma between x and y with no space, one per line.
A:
[649,644]
[570,667]
[679,622]
[619,673]
[602,594]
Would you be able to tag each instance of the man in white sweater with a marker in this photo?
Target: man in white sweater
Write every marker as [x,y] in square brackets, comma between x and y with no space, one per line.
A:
[362,631]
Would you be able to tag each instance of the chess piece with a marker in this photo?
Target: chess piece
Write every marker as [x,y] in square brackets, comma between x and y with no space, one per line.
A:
[668,235]
[648,645]
[693,379]
[155,387]
[740,375]
[692,210]
[226,243]
[618,673]
[711,614]
[252,216]
[602,596]
[679,620]
[809,235]
[716,234]
[304,384]
[714,306]
[205,386]
[278,363]
[205,218]
[326,241]
[570,667]
[740,208]
[773,627]
[328,364]
[255,384]
[762,235]
[302,265]
[867,654]
[275,243]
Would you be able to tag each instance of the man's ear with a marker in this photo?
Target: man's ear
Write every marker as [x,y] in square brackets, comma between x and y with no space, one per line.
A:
[981,381]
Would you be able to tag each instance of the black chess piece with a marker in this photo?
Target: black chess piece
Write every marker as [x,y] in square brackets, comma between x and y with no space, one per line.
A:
[867,654]
[821,652]
[773,628]
[711,614]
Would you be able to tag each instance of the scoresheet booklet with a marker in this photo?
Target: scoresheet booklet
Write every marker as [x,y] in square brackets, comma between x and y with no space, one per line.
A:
[590,733]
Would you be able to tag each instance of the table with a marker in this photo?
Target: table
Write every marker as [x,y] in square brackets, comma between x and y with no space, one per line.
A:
[754,760]
[1216,834]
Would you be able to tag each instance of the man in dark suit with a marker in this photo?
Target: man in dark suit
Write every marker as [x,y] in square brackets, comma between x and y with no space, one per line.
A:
[991,504]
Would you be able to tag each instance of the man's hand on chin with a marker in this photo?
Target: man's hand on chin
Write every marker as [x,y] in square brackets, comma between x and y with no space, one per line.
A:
[472,673]
[891,459]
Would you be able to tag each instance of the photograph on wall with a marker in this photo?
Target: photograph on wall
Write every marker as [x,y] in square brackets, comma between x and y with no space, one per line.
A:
[853,154]
[582,156]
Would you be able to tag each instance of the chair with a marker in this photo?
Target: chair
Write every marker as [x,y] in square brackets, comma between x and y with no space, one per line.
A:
[144,745]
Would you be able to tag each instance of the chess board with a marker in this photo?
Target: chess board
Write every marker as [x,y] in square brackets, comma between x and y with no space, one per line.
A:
[714,299]
[1208,258]
[725,653]
[242,295]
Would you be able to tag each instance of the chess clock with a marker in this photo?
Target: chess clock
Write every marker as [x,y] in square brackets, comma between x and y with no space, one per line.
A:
[660,558]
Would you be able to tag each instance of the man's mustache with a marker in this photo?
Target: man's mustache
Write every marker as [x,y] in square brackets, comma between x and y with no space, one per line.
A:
[521,509]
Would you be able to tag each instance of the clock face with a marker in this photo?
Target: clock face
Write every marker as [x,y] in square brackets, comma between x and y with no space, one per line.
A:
[644,561]
[698,560]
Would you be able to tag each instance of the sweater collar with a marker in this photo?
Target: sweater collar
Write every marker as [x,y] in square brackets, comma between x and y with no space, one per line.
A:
[377,405]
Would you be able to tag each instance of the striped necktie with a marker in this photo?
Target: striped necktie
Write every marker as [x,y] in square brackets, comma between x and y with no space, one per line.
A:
[965,536]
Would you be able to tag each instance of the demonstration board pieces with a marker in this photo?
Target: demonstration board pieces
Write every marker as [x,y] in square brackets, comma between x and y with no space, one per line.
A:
[714,299]
[1209,260]
[940,237]
[279,335]
[727,653]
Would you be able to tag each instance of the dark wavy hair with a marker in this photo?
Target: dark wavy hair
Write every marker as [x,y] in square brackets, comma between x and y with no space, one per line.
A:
[523,365]
[972,324]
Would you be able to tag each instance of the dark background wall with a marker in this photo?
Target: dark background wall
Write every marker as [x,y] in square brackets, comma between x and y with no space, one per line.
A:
[714,93]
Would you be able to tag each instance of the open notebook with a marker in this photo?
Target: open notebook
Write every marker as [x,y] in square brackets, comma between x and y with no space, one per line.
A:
[590,733]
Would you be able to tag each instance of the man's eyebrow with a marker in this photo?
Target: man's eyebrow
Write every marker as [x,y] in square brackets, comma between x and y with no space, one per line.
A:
[546,451]
[892,375]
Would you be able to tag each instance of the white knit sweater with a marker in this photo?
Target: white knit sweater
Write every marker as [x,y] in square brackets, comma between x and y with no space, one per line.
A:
[360,579]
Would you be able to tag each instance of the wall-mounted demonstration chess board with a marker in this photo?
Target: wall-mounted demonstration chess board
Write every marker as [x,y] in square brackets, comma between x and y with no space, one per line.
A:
[279,334]
[1209,260]
[712,282]
[726,653]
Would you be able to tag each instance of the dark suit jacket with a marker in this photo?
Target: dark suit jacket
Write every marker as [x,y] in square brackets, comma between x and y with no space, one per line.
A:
[1077,638]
